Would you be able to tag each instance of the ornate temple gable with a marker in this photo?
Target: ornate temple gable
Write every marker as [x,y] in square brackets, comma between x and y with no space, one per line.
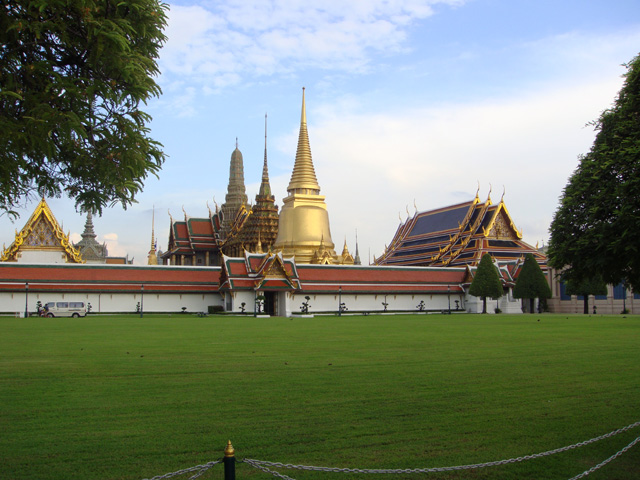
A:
[259,272]
[346,258]
[41,233]
[501,225]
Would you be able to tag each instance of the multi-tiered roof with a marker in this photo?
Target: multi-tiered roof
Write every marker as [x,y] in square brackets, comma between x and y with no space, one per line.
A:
[458,235]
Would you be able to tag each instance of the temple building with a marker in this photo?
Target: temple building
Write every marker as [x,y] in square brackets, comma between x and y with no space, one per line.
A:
[303,231]
[194,241]
[258,231]
[459,235]
[232,229]
[89,248]
[41,240]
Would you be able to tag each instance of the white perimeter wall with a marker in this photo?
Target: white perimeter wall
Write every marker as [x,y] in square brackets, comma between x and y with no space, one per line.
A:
[288,303]
[114,302]
[371,302]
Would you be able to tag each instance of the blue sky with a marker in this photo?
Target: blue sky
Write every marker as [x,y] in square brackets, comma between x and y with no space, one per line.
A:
[409,104]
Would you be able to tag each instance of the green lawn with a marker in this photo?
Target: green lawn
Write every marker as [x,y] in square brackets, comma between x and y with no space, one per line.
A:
[120,397]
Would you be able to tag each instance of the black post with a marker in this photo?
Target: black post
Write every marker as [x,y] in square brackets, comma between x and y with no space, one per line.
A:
[141,300]
[229,461]
[339,301]
[449,297]
[26,300]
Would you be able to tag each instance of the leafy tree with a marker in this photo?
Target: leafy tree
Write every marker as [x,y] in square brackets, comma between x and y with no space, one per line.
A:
[596,229]
[486,282]
[531,282]
[585,287]
[73,75]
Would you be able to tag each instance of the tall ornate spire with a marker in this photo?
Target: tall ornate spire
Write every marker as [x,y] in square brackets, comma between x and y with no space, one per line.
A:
[265,188]
[236,196]
[261,228]
[152,258]
[303,178]
[88,228]
[89,248]
[304,221]
[356,260]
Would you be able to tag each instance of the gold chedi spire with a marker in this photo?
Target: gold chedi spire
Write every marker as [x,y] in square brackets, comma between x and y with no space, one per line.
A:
[152,258]
[303,178]
[303,227]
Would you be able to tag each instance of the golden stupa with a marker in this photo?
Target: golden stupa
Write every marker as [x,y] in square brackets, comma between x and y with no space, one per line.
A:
[303,228]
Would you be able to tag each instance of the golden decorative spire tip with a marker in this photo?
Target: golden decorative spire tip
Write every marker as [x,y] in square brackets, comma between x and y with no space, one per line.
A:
[229,451]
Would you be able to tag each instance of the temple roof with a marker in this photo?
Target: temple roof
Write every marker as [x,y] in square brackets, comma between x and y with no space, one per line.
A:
[42,232]
[458,235]
[89,248]
[265,271]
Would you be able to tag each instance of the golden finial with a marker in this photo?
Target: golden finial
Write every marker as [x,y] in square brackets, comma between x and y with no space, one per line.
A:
[415,206]
[504,190]
[229,451]
[303,117]
[489,194]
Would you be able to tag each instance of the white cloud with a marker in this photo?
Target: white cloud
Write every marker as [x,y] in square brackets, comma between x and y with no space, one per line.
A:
[114,247]
[240,39]
[372,166]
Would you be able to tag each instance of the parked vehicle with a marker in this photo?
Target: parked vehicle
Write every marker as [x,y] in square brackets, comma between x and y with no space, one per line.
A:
[65,309]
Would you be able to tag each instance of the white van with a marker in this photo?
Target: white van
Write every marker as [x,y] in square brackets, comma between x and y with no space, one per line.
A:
[65,309]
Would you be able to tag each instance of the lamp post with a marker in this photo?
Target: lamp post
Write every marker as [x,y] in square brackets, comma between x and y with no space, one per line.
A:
[26,300]
[340,301]
[141,300]
[449,297]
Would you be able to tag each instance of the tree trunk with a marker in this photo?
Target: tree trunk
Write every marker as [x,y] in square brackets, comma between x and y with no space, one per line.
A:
[531,305]
[484,304]
[586,304]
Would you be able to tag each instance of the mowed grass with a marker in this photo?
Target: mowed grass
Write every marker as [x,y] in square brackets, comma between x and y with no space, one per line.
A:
[120,397]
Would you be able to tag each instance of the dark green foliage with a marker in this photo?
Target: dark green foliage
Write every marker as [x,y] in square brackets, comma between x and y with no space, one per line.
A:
[486,282]
[531,282]
[72,76]
[596,229]
[585,287]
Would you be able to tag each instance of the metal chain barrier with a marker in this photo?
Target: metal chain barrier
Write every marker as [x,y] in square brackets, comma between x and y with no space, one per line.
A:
[265,469]
[199,469]
[603,463]
[264,463]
